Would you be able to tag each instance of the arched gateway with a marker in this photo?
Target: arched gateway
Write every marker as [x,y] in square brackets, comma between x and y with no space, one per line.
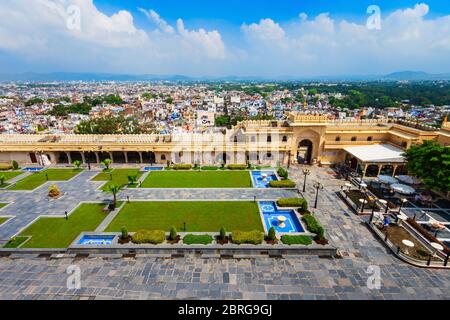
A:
[304,151]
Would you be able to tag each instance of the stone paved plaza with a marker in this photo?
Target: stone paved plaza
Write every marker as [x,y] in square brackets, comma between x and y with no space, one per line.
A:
[191,277]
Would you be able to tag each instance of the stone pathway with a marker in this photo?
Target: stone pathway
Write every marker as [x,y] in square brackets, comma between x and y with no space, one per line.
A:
[305,277]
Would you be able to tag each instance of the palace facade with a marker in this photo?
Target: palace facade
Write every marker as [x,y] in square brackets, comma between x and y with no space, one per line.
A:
[300,139]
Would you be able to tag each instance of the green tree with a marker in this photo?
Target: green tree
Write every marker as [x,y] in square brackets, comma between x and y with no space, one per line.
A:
[430,162]
[132,179]
[114,189]
[2,180]
[77,164]
[107,163]
[272,234]
[173,234]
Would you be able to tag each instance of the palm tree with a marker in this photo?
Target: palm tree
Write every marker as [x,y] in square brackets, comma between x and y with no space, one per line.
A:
[114,189]
[107,163]
[132,179]
[77,164]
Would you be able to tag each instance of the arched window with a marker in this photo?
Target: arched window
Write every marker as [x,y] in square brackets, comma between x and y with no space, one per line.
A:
[235,139]
[404,144]
[338,139]
[269,138]
[285,139]
[369,138]
[269,155]
[354,138]
[163,157]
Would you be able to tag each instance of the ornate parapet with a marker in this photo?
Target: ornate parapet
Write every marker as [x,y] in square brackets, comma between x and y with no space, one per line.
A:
[298,118]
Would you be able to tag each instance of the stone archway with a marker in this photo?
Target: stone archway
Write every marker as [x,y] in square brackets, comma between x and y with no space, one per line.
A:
[305,151]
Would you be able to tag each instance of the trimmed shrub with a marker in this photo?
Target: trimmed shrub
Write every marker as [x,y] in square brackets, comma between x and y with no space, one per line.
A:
[237,166]
[197,239]
[293,203]
[15,165]
[272,234]
[124,233]
[283,173]
[146,236]
[182,167]
[250,237]
[5,166]
[210,168]
[290,240]
[223,233]
[314,226]
[173,234]
[282,184]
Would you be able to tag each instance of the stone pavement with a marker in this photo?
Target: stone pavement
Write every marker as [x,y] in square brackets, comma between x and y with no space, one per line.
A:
[305,277]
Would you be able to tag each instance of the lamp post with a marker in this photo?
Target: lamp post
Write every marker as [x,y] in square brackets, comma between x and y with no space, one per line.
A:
[306,173]
[402,203]
[318,186]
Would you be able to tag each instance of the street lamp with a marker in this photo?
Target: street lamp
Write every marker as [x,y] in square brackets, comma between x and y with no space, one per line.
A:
[402,203]
[318,186]
[306,173]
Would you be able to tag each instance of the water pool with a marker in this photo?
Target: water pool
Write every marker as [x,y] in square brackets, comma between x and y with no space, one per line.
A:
[153,168]
[33,169]
[261,179]
[271,214]
[96,240]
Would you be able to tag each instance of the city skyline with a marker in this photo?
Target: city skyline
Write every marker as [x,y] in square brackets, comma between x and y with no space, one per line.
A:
[207,40]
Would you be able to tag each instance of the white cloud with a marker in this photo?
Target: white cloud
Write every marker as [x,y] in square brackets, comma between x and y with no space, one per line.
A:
[266,30]
[35,34]
[156,18]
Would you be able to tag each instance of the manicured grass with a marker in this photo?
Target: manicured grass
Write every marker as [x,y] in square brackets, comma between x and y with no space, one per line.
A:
[119,176]
[3,220]
[59,232]
[198,179]
[36,179]
[15,242]
[290,240]
[199,216]
[2,205]
[197,239]
[10,174]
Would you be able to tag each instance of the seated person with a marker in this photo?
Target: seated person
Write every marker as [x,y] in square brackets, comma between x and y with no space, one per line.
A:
[386,222]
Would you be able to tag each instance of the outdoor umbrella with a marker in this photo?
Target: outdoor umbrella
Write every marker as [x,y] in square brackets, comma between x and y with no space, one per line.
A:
[402,188]
[387,179]
[408,179]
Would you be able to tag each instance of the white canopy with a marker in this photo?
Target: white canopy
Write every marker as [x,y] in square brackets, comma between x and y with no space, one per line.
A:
[383,153]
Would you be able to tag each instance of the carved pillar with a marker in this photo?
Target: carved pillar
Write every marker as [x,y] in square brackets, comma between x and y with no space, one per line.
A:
[69,157]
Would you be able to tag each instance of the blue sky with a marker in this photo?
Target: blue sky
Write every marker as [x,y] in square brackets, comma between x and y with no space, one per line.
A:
[217,38]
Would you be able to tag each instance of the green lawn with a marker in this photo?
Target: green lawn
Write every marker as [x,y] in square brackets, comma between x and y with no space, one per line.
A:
[198,179]
[3,220]
[59,232]
[119,176]
[9,175]
[37,179]
[199,216]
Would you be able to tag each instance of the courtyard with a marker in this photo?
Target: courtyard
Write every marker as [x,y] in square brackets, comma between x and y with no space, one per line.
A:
[37,179]
[190,276]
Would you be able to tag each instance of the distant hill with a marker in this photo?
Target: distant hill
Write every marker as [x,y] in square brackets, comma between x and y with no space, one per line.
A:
[416,76]
[76,76]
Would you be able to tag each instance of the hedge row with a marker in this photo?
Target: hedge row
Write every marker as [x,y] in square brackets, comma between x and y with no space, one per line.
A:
[152,237]
[197,239]
[5,166]
[293,203]
[282,184]
[237,166]
[313,225]
[210,168]
[182,167]
[290,240]
[249,237]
